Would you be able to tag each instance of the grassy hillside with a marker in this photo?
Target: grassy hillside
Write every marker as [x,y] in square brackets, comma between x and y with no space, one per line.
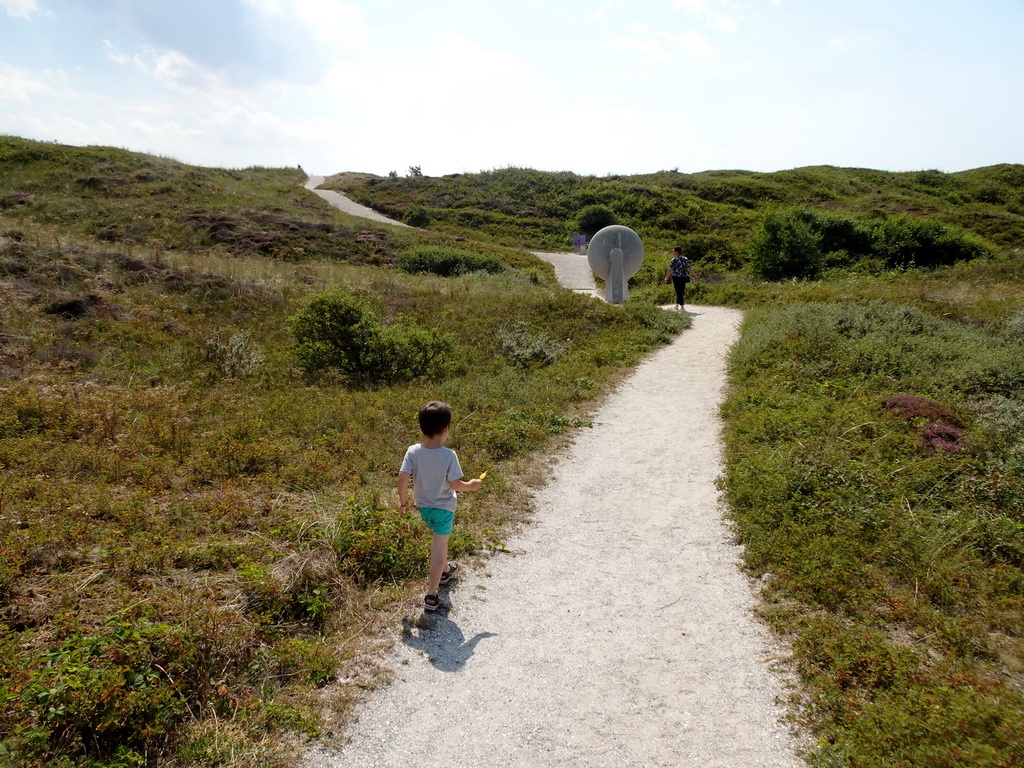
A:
[716,212]
[875,475]
[197,525]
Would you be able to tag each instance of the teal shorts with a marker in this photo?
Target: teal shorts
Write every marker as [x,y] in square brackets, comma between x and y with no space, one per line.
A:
[438,520]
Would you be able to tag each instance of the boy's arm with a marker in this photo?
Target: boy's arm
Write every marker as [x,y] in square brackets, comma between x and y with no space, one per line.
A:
[403,491]
[465,485]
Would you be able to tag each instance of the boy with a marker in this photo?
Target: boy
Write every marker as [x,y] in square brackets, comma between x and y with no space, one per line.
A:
[438,477]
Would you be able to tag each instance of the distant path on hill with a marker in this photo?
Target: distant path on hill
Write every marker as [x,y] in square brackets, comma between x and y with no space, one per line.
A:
[342,203]
[620,630]
[572,270]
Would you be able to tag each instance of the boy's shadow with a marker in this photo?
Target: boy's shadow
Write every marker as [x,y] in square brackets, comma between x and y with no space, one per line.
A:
[441,640]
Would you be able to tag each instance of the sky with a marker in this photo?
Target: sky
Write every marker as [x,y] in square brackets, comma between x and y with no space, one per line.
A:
[589,86]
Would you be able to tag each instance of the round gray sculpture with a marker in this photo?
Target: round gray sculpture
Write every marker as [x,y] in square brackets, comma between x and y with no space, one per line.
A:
[615,254]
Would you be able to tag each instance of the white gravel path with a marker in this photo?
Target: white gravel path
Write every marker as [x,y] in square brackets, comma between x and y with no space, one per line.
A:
[572,270]
[620,633]
[342,203]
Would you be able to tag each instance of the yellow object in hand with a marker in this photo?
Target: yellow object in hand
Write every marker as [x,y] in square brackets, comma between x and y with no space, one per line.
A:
[483,475]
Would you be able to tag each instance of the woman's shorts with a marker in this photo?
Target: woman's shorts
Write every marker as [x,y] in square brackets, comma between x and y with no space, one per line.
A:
[438,520]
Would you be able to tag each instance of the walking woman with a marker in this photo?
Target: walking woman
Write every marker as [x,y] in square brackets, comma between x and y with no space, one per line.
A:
[679,271]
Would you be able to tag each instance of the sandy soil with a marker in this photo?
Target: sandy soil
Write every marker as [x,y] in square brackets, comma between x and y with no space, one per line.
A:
[618,631]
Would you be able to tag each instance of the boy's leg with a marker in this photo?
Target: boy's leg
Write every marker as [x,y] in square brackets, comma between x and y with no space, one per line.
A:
[438,562]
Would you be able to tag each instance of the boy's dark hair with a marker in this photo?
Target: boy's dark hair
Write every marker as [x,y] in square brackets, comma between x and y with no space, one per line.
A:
[434,417]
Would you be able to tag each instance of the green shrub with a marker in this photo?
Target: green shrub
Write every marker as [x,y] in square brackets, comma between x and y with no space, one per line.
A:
[104,695]
[710,251]
[525,348]
[446,262]
[520,430]
[418,217]
[746,193]
[905,242]
[663,325]
[594,218]
[236,356]
[341,331]
[801,242]
[375,542]
[1014,326]
[787,246]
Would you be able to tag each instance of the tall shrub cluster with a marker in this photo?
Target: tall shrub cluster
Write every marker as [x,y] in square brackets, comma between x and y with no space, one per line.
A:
[802,243]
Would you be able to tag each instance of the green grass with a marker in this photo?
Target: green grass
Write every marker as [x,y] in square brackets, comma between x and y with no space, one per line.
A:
[894,536]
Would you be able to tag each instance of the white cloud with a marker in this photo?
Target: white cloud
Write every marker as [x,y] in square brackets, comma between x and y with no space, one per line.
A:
[329,19]
[648,47]
[117,57]
[491,71]
[23,9]
[609,5]
[719,17]
[334,20]
[849,44]
[692,44]
[177,72]
[696,7]
[724,23]
[17,86]
[661,46]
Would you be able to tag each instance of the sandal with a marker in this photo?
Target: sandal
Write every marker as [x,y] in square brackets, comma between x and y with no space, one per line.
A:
[431,603]
[449,574]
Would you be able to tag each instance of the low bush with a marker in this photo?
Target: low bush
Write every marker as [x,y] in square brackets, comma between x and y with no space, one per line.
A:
[104,693]
[236,355]
[375,542]
[663,324]
[525,348]
[446,262]
[744,192]
[341,331]
[905,242]
[519,430]
[710,252]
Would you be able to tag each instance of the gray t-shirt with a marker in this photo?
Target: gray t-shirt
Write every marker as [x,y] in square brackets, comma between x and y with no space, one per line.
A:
[431,469]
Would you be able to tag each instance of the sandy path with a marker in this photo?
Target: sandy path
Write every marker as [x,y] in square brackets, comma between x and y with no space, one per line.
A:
[342,203]
[621,631]
[572,271]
